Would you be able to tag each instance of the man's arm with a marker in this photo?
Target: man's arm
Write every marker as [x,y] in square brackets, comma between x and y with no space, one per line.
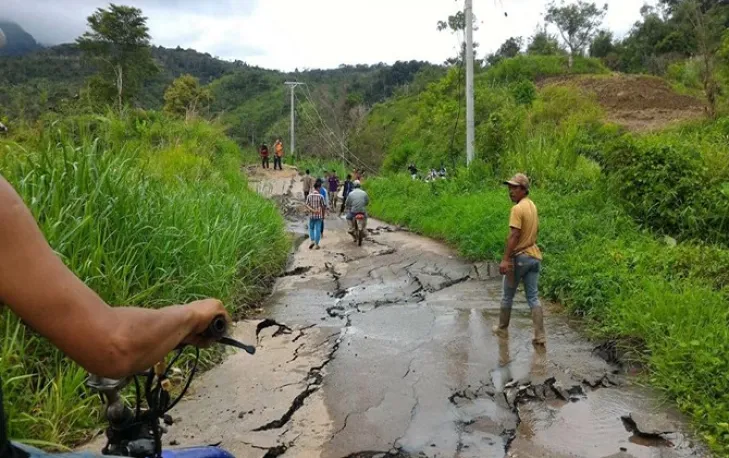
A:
[511,242]
[44,293]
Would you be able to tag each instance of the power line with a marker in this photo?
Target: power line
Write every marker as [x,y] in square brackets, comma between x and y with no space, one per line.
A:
[326,137]
[341,142]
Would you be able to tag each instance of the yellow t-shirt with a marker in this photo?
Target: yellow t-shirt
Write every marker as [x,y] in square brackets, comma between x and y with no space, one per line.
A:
[524,217]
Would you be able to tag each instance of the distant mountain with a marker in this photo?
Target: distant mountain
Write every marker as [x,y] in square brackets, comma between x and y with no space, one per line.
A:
[252,101]
[18,42]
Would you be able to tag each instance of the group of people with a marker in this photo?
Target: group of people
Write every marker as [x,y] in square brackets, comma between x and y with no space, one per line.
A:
[321,195]
[278,154]
[432,175]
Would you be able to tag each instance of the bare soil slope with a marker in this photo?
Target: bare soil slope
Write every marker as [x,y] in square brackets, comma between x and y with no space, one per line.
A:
[637,102]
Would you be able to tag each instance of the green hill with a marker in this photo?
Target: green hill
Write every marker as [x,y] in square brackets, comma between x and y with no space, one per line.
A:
[252,101]
[18,42]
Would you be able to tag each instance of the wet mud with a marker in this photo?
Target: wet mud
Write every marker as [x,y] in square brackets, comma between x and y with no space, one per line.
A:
[386,350]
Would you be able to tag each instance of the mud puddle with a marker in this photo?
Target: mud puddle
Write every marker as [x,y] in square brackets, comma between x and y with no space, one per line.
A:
[388,351]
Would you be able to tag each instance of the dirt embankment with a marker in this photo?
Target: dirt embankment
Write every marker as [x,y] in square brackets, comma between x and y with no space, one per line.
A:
[638,102]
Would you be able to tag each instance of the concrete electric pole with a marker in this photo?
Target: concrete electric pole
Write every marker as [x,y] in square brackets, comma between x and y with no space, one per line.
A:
[469,83]
[292,85]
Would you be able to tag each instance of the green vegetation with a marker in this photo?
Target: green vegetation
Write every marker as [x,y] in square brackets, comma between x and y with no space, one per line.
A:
[185,97]
[146,210]
[423,128]
[634,227]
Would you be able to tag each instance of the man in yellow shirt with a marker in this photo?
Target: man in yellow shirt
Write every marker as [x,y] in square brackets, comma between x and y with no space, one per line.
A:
[522,259]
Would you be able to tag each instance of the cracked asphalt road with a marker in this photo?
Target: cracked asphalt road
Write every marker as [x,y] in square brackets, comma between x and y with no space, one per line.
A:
[387,351]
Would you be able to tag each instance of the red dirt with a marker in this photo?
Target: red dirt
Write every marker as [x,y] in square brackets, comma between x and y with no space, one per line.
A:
[637,102]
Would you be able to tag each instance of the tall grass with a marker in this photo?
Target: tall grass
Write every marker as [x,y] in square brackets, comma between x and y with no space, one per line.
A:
[147,211]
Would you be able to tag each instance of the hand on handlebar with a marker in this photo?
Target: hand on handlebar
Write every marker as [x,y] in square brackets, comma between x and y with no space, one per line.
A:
[204,312]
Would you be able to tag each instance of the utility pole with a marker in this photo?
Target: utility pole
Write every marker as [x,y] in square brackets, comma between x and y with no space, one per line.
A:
[469,83]
[292,85]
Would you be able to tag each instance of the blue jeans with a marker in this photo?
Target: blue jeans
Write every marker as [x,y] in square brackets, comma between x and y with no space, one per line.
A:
[526,269]
[36,453]
[315,228]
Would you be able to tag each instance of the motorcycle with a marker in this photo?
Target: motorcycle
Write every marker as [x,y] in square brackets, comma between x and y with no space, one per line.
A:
[136,431]
[359,223]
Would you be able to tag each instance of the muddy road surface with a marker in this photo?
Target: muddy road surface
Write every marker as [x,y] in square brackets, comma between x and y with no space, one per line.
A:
[386,350]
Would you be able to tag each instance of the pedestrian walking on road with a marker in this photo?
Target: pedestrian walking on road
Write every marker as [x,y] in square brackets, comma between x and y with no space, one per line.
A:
[346,189]
[308,184]
[325,194]
[278,153]
[522,259]
[264,156]
[317,208]
[333,189]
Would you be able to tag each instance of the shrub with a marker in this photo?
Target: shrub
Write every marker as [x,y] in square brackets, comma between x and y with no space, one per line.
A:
[524,92]
[534,68]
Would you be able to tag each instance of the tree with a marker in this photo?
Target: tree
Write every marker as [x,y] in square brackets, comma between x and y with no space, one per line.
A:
[509,48]
[602,45]
[185,97]
[577,23]
[119,42]
[542,43]
[456,23]
[708,25]
[704,5]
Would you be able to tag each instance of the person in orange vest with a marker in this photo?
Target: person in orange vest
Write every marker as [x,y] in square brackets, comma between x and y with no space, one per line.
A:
[278,151]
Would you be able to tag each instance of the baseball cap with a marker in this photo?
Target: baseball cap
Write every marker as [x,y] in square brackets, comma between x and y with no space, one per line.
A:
[356,183]
[518,180]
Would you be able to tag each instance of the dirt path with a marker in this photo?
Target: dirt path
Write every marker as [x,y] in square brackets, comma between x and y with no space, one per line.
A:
[386,350]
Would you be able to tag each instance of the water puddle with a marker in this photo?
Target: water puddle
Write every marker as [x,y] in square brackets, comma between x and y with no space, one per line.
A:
[592,428]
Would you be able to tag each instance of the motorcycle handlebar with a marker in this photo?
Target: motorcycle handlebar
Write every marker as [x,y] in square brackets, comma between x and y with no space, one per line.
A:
[217,328]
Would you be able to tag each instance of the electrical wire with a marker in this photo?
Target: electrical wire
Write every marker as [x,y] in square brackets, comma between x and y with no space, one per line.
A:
[341,142]
[325,137]
[187,384]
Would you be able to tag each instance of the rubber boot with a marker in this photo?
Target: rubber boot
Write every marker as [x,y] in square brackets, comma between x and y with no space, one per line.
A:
[502,329]
[539,361]
[540,337]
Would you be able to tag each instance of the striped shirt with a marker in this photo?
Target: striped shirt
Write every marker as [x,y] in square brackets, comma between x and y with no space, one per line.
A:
[316,201]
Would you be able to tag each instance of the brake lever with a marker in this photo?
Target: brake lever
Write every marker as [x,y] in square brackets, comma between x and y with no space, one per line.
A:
[250,349]
[217,329]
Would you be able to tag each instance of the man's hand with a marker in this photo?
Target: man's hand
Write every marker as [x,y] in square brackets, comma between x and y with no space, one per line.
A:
[505,267]
[204,312]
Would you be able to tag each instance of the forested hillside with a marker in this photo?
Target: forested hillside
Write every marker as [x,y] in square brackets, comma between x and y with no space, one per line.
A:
[17,41]
[253,102]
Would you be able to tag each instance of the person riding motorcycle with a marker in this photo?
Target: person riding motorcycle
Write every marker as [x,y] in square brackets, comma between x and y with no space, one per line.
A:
[356,203]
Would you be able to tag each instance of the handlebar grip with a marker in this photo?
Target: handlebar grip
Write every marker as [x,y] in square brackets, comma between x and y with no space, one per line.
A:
[217,328]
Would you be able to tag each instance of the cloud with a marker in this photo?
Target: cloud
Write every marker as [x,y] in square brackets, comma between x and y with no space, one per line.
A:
[288,34]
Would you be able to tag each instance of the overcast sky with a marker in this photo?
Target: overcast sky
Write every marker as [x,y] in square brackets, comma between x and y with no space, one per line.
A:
[288,34]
